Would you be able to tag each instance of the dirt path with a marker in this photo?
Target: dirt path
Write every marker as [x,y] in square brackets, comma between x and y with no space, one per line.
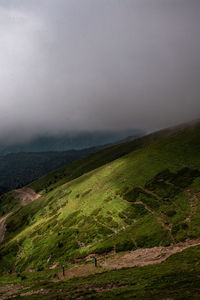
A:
[148,256]
[105,225]
[26,195]
[82,271]
[158,218]
[194,200]
[2,227]
[150,193]
[139,257]
[9,291]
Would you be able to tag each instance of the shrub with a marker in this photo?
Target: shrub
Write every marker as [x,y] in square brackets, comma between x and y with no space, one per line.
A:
[178,227]
[125,246]
[60,244]
[132,195]
[171,213]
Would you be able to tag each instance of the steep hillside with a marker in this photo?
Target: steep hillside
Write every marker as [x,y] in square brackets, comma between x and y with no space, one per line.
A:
[147,197]
[132,196]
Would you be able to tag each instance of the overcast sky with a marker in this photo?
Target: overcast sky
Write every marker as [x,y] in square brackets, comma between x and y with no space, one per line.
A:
[70,65]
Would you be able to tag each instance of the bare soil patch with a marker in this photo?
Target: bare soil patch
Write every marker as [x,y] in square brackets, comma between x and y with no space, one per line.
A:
[36,292]
[2,227]
[26,195]
[147,256]
[9,291]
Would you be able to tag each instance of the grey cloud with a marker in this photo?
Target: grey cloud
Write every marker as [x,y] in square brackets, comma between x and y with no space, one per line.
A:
[97,64]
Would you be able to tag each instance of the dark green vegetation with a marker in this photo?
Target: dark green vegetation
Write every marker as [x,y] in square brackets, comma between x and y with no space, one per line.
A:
[19,169]
[144,193]
[31,161]
[7,204]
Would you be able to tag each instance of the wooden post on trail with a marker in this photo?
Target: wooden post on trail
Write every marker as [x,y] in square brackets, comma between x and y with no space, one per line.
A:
[95,261]
[63,270]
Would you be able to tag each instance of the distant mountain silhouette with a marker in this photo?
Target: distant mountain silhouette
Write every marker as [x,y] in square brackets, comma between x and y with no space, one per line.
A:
[77,141]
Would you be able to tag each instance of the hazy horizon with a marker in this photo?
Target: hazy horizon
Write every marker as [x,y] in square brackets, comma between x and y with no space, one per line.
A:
[97,65]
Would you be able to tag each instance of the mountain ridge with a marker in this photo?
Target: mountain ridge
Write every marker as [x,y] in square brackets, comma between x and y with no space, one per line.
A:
[69,141]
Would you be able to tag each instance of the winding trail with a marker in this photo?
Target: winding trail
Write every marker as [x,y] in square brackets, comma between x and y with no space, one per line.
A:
[194,200]
[148,256]
[158,218]
[140,257]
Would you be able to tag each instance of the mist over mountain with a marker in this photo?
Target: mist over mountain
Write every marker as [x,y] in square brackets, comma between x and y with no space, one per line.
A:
[97,65]
[74,140]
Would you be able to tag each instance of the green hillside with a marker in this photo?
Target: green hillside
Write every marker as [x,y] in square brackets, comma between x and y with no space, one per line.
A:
[140,194]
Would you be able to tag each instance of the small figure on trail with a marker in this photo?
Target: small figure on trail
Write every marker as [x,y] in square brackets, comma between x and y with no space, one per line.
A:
[63,270]
[95,261]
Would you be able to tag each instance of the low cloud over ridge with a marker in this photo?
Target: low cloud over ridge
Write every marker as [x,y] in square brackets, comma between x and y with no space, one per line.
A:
[97,65]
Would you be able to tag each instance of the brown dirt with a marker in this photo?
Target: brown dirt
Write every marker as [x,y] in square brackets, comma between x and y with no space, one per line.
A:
[148,256]
[26,195]
[139,257]
[2,227]
[9,291]
[194,200]
[54,266]
[36,292]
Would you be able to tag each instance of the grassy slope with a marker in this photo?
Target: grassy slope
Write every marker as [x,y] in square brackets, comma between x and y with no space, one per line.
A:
[99,210]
